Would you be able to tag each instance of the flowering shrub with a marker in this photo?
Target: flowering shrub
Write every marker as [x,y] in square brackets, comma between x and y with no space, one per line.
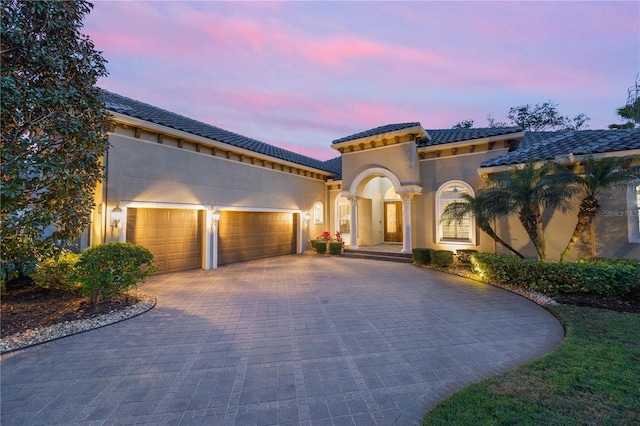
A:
[326,236]
[107,270]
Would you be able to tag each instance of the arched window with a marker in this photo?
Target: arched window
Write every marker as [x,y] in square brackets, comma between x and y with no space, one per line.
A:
[457,232]
[318,212]
[391,194]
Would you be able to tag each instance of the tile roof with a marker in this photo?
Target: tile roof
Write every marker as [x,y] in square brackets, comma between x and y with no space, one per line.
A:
[143,111]
[442,136]
[548,145]
[335,165]
[377,131]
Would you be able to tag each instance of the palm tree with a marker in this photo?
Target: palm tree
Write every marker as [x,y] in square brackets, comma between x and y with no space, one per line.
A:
[478,207]
[526,190]
[597,178]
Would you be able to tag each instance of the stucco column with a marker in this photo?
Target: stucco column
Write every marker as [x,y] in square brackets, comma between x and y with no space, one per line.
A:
[406,223]
[354,223]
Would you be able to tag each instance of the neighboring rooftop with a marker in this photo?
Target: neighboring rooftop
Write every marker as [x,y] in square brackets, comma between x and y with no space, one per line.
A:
[377,131]
[548,145]
[442,136]
[143,111]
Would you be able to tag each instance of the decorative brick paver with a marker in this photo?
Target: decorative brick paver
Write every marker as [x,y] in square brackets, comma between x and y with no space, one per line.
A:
[289,340]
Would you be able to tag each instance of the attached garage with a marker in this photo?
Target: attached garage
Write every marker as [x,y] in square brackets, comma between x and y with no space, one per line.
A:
[173,236]
[253,235]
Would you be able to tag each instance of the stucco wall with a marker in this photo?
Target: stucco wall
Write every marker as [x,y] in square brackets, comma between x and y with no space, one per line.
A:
[399,159]
[434,173]
[140,170]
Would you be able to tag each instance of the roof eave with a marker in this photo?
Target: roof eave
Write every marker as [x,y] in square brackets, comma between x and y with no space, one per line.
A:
[565,159]
[418,130]
[467,142]
[159,128]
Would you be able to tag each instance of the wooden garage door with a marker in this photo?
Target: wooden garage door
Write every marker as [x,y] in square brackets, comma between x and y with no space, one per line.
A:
[173,236]
[254,235]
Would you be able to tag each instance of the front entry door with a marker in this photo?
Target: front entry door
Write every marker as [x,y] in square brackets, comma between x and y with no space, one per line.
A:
[393,221]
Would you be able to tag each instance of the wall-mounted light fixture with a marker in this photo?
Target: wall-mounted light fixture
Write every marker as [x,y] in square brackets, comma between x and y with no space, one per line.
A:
[116,216]
[306,217]
[215,218]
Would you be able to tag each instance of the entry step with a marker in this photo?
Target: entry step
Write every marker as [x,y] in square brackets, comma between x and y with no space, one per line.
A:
[378,255]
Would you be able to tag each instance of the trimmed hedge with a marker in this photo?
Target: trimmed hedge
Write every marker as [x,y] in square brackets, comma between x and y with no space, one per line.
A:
[335,248]
[422,255]
[320,246]
[599,276]
[442,258]
[463,256]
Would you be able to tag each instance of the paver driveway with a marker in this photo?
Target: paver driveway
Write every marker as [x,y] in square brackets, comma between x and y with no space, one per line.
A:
[289,340]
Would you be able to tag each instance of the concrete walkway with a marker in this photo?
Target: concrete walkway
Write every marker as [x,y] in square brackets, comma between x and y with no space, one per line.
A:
[290,340]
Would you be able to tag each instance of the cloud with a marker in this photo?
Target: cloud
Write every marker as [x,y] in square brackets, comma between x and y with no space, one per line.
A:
[305,73]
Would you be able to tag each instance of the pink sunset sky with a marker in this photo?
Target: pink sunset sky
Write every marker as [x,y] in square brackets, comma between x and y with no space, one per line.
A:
[301,74]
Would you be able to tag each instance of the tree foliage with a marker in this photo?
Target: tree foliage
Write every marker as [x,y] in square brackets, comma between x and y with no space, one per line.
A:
[481,208]
[54,129]
[544,116]
[534,118]
[631,111]
[594,181]
[465,124]
[525,191]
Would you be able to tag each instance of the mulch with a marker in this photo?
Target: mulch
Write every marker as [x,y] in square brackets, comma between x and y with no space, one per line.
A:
[25,306]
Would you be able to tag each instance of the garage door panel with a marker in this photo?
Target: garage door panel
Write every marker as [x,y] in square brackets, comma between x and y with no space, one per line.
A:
[252,235]
[173,236]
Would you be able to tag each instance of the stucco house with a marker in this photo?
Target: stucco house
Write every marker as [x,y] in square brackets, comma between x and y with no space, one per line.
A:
[199,196]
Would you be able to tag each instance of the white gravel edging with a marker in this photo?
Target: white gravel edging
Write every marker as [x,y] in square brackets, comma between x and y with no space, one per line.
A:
[534,296]
[35,336]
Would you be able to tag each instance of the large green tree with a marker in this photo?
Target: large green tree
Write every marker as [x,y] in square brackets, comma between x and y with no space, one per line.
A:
[54,129]
[525,191]
[594,181]
[480,207]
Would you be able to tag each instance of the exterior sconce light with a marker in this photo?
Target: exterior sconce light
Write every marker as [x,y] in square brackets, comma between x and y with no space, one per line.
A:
[215,218]
[116,216]
[305,218]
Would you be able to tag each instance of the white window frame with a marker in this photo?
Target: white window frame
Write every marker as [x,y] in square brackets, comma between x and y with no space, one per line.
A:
[471,241]
[633,214]
[318,213]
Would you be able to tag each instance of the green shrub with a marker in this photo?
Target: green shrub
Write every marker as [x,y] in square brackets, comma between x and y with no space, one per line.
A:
[320,246]
[463,256]
[335,248]
[422,256]
[58,274]
[442,258]
[107,270]
[590,276]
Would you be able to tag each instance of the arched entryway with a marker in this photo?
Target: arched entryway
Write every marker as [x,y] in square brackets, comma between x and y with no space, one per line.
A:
[380,209]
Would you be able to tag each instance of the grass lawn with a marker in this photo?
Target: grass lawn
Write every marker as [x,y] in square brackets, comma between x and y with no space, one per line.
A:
[592,378]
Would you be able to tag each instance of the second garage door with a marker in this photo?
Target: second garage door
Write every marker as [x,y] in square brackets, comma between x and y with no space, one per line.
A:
[254,235]
[173,236]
